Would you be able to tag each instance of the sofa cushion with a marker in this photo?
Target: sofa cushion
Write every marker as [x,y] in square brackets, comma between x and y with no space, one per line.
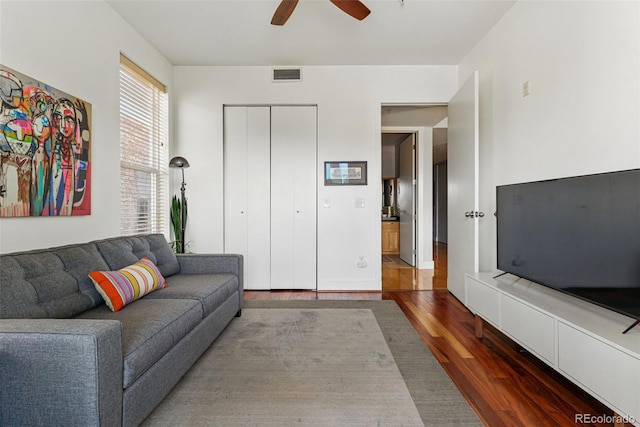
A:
[210,289]
[78,261]
[121,251]
[150,328]
[49,282]
[18,297]
[121,287]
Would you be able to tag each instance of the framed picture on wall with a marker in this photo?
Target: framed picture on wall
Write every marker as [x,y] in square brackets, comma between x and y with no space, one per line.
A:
[345,173]
[45,149]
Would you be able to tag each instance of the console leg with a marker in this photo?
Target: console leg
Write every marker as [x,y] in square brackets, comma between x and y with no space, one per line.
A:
[479,326]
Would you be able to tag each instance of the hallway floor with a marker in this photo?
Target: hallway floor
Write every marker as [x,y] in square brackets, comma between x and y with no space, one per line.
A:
[398,275]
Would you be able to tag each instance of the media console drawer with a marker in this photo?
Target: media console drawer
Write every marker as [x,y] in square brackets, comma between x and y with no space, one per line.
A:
[601,369]
[483,300]
[532,328]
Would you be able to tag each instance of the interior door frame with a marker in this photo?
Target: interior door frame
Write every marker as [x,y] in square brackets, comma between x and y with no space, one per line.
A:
[424,193]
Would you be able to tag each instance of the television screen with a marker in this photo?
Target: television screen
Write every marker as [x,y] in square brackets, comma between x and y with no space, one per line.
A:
[579,235]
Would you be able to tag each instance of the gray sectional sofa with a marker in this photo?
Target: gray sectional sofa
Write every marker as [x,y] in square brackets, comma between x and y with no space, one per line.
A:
[66,359]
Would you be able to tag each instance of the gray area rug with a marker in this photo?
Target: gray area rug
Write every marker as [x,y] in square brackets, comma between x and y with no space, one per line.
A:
[322,363]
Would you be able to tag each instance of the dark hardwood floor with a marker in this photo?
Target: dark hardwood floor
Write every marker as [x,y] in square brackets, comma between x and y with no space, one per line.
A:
[505,385]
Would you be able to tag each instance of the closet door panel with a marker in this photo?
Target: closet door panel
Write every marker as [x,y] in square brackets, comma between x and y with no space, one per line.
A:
[235,180]
[246,190]
[305,196]
[258,200]
[282,201]
[293,197]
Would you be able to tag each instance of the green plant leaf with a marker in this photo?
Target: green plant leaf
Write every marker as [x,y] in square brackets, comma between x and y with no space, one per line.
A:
[176,222]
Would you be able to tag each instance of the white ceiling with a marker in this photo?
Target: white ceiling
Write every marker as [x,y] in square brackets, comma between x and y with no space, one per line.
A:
[238,32]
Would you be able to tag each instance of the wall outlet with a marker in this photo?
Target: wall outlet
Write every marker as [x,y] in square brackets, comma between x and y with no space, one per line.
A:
[362,262]
[360,203]
[525,89]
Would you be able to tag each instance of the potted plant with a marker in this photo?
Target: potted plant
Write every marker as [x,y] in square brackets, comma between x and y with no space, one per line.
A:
[178,223]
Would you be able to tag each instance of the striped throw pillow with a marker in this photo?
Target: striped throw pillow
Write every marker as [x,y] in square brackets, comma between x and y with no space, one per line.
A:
[119,288]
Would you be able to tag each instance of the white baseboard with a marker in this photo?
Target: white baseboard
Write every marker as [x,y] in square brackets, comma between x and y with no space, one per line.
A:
[350,285]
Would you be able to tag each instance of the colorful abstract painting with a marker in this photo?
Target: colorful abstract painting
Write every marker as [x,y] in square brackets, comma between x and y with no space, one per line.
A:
[45,146]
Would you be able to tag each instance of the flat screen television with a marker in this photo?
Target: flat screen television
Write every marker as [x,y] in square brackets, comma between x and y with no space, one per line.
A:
[578,235]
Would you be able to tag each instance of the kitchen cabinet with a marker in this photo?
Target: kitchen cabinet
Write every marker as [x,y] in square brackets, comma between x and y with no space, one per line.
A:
[390,237]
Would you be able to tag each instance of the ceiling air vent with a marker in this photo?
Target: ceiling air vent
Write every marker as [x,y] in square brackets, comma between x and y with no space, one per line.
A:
[287,75]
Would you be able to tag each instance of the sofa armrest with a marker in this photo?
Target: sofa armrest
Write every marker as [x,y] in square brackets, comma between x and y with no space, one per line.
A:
[60,372]
[211,264]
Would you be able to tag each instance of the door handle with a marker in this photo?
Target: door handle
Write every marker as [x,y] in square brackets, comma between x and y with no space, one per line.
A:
[474,214]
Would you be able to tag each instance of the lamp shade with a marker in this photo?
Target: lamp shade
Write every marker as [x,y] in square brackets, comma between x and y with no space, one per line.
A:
[179,163]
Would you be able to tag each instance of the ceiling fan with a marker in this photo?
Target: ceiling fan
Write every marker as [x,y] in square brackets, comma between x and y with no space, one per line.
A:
[354,8]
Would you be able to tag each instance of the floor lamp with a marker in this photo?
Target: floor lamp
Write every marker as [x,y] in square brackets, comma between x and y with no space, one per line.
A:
[181,163]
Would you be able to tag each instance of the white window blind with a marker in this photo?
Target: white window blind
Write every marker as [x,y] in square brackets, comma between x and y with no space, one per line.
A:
[143,152]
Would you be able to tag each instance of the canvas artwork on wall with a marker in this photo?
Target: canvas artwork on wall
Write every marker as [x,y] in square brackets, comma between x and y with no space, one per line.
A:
[45,146]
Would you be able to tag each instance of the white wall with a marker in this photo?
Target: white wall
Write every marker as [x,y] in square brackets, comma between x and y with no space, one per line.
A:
[75,46]
[349,100]
[582,62]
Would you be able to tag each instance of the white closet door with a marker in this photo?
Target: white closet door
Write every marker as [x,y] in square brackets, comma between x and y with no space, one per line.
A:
[246,191]
[235,180]
[293,197]
[259,200]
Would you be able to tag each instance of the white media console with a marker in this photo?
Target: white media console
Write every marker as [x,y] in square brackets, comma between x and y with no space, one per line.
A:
[582,341]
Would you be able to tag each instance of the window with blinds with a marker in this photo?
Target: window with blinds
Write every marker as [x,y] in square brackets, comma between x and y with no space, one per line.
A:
[143,151]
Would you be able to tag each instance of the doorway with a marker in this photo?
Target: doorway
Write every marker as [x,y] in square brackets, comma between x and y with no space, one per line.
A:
[414,138]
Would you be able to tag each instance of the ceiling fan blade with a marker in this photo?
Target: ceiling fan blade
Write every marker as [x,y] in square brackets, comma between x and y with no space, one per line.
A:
[354,8]
[283,12]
